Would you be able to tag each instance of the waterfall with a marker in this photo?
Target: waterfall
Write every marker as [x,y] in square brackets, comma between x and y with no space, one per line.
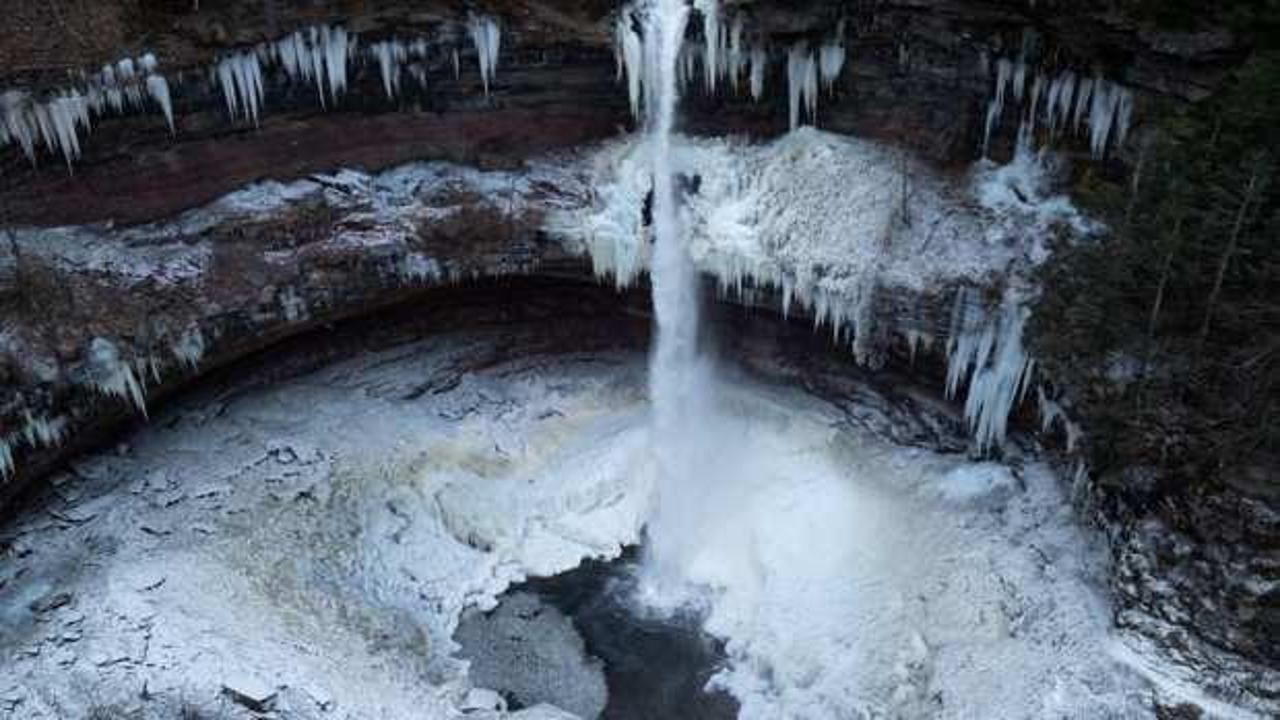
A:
[677,391]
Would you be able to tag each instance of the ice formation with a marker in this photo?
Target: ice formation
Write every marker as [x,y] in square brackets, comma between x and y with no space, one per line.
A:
[487,36]
[1061,102]
[42,431]
[62,117]
[802,83]
[189,348]
[725,54]
[759,64]
[112,376]
[986,349]
[318,55]
[1051,414]
[831,57]
[392,55]
[240,77]
[714,43]
[6,457]
[629,49]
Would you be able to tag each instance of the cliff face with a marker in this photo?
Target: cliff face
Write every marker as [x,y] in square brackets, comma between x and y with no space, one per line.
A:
[139,295]
[918,73]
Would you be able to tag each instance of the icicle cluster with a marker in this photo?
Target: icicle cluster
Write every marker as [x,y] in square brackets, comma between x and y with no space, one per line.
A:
[487,37]
[393,55]
[189,348]
[986,350]
[240,77]
[724,56]
[804,71]
[114,377]
[1061,103]
[60,119]
[802,83]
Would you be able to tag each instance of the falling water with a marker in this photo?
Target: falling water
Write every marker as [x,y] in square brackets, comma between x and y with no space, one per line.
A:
[676,389]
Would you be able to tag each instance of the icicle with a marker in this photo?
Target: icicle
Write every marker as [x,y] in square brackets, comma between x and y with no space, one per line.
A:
[989,351]
[317,56]
[1019,79]
[390,54]
[336,49]
[1083,97]
[995,108]
[189,348]
[1124,114]
[43,432]
[240,76]
[802,75]
[158,89]
[1102,114]
[712,56]
[630,52]
[759,64]
[831,59]
[737,53]
[7,467]
[487,37]
[1037,87]
[113,376]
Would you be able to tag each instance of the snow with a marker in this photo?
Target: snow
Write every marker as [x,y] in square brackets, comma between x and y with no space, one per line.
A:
[487,36]
[919,587]
[325,534]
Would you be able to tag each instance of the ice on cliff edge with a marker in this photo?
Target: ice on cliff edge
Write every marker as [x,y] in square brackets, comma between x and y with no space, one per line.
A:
[830,221]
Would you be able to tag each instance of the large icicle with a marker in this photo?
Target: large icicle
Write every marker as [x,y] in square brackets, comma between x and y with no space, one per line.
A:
[158,89]
[487,37]
[713,63]
[390,54]
[802,77]
[318,56]
[759,64]
[988,352]
[630,52]
[831,57]
[240,77]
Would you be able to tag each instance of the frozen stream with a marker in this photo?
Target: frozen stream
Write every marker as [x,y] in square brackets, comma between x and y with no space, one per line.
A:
[308,547]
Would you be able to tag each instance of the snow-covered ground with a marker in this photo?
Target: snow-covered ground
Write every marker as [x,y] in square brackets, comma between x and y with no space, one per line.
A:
[315,542]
